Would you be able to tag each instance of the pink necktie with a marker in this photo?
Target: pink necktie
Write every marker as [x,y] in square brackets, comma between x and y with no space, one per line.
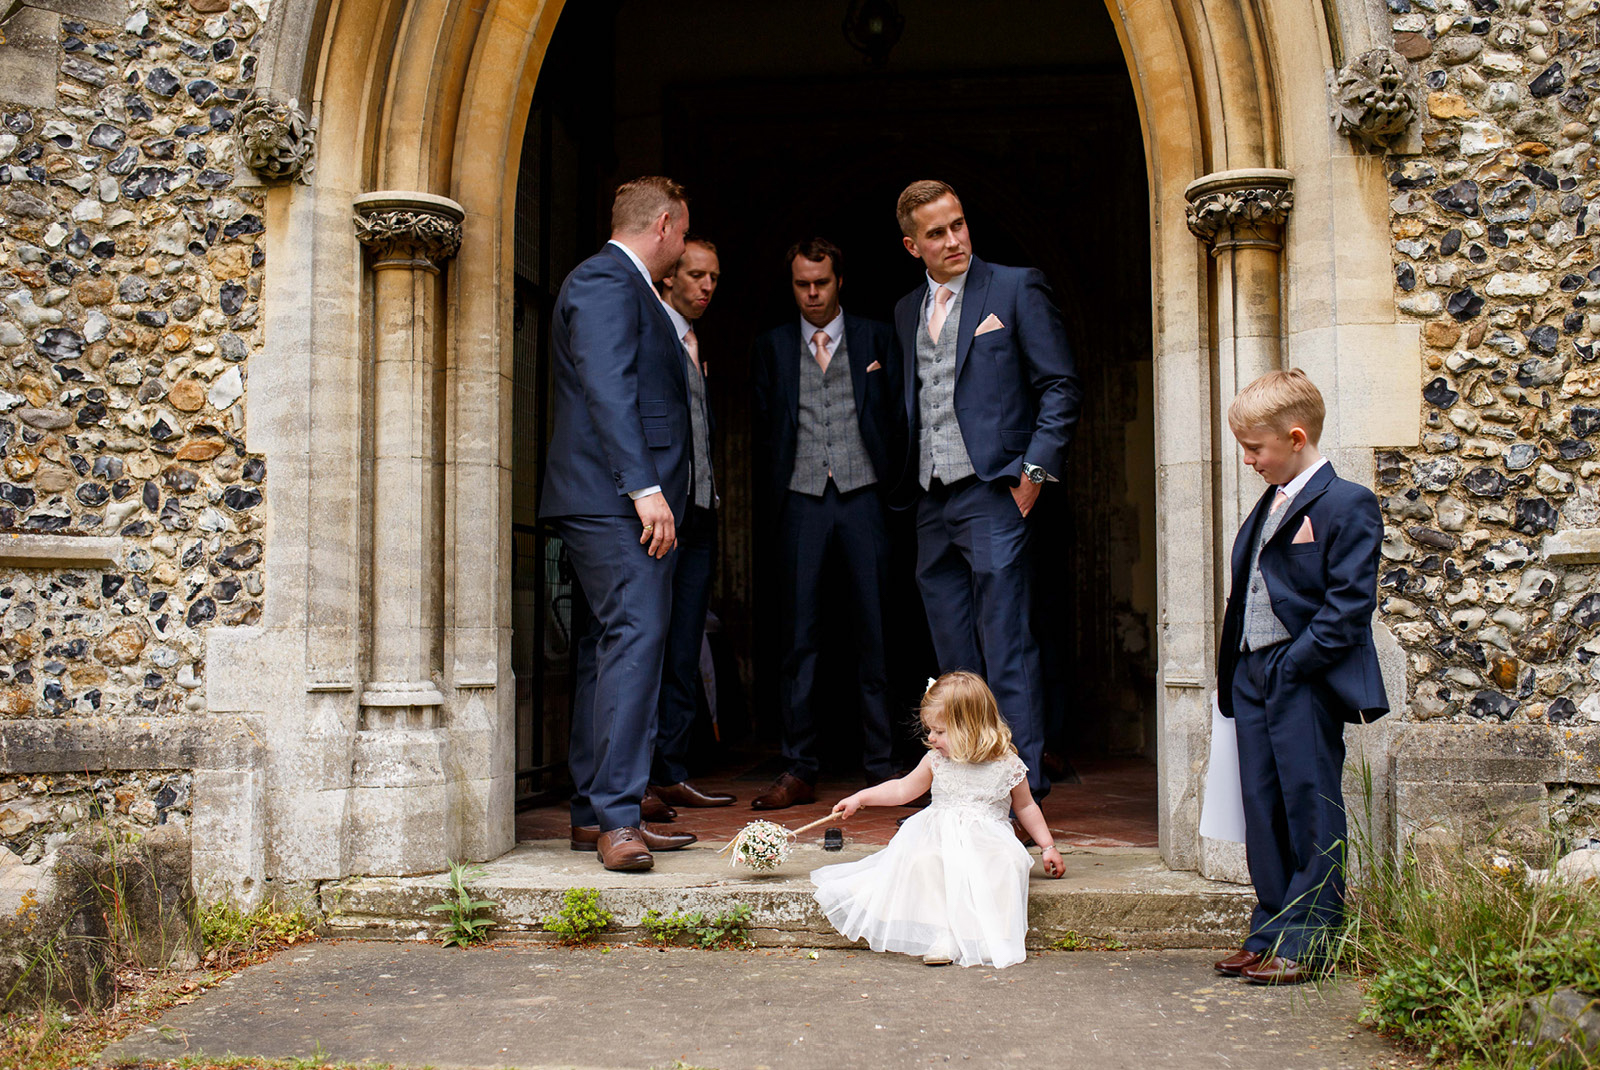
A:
[1278,501]
[820,340]
[692,344]
[941,309]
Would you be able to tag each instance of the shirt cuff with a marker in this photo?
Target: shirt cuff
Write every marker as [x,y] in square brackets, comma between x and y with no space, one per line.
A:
[637,494]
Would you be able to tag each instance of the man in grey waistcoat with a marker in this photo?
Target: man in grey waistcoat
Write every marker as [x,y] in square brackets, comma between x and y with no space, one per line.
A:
[829,442]
[687,293]
[990,397]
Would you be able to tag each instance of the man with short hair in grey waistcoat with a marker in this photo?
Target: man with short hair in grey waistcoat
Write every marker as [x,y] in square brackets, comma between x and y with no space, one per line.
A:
[991,397]
[828,445]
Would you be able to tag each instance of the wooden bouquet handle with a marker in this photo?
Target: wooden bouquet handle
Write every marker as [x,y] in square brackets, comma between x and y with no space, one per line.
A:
[814,824]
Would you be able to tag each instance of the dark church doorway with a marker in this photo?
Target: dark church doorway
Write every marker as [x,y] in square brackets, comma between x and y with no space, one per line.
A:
[781,129]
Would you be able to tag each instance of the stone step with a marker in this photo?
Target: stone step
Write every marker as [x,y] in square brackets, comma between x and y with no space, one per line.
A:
[1122,895]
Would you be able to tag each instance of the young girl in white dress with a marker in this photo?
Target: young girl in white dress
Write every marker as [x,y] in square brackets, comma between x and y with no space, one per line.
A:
[952,885]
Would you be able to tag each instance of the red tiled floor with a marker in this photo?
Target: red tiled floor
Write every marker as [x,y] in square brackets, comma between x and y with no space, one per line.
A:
[1114,806]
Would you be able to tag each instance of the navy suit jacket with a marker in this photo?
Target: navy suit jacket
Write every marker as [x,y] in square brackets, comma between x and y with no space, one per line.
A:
[1323,591]
[620,396]
[775,376]
[1017,393]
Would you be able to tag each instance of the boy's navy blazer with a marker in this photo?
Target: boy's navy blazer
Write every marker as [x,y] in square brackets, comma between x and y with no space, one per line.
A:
[621,399]
[1016,393]
[1324,592]
[775,374]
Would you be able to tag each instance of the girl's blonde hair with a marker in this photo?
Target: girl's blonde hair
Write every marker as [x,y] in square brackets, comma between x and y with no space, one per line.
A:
[972,721]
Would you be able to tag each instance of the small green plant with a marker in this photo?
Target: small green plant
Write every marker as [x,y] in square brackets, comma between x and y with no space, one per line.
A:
[463,927]
[581,918]
[1113,944]
[1069,941]
[729,929]
[228,934]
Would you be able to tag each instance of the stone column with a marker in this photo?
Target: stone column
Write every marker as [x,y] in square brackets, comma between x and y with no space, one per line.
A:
[398,816]
[1241,215]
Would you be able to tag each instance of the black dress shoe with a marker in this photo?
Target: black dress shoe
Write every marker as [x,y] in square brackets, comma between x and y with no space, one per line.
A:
[686,794]
[587,838]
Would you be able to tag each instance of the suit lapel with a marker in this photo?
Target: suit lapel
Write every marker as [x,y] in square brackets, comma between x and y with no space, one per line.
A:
[789,373]
[860,355]
[1315,487]
[905,325]
[1252,525]
[973,297]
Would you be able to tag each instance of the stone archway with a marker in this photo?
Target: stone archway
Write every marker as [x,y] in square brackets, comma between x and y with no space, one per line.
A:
[378,680]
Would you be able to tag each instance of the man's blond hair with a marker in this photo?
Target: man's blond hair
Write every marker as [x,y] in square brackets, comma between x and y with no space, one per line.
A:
[973,726]
[914,196]
[1279,401]
[639,203]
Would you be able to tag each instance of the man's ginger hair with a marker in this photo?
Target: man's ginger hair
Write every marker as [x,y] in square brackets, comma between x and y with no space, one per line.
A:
[972,722]
[639,203]
[1279,401]
[914,196]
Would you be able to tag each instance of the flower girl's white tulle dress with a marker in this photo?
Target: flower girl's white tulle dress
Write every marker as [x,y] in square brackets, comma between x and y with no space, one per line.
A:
[953,880]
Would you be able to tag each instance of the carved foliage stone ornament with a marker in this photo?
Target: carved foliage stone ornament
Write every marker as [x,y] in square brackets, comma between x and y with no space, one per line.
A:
[416,230]
[1375,98]
[1234,208]
[276,140]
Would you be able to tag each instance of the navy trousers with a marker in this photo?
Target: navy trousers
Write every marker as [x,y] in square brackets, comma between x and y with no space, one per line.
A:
[974,568]
[1291,765]
[627,596]
[680,672]
[852,530]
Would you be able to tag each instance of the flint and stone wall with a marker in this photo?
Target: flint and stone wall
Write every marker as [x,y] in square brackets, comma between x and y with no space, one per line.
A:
[1493,524]
[130,275]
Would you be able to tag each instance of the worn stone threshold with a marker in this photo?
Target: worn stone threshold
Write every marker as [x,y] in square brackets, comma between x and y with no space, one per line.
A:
[1123,895]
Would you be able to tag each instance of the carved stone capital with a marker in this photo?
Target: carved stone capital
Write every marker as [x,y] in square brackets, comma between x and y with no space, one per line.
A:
[1375,98]
[1230,209]
[414,230]
[275,138]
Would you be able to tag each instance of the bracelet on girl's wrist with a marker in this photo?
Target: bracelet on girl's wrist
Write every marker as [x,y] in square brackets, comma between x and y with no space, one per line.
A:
[1047,847]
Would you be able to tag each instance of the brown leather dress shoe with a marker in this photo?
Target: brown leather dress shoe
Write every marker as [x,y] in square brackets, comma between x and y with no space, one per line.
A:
[1237,962]
[686,794]
[788,790]
[652,808]
[624,849]
[587,838]
[1278,971]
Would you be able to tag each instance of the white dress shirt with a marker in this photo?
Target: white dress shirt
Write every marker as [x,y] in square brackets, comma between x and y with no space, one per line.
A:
[834,330]
[1298,483]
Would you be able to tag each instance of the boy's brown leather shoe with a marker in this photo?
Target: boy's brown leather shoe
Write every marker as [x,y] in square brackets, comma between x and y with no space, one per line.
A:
[1237,962]
[788,790]
[587,838]
[1278,971]
[686,794]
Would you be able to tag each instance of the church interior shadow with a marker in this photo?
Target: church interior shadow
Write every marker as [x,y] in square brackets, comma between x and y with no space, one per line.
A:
[781,130]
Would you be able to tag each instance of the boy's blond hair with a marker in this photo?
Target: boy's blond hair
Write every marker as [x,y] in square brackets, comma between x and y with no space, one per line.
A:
[972,721]
[1279,401]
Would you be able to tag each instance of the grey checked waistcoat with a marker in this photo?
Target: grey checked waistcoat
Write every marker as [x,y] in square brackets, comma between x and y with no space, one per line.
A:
[702,486]
[1262,628]
[828,438]
[942,451]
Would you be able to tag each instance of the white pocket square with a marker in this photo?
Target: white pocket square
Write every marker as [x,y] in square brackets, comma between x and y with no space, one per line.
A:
[992,323]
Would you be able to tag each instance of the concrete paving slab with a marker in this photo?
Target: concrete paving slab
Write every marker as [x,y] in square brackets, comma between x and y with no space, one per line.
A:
[1121,894]
[532,1006]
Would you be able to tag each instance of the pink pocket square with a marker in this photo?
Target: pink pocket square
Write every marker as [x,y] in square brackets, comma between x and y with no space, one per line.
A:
[992,323]
[875,366]
[1305,534]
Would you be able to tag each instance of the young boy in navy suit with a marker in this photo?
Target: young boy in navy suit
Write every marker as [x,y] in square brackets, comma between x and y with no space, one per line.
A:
[1296,663]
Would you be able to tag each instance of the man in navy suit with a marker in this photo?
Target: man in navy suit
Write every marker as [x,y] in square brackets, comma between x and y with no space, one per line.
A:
[991,397]
[828,443]
[616,484]
[1296,663]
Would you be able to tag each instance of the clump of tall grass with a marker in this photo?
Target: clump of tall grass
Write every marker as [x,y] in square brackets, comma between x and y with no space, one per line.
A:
[1455,940]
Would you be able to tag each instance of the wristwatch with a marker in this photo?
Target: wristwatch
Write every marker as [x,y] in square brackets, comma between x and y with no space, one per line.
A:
[1034,473]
